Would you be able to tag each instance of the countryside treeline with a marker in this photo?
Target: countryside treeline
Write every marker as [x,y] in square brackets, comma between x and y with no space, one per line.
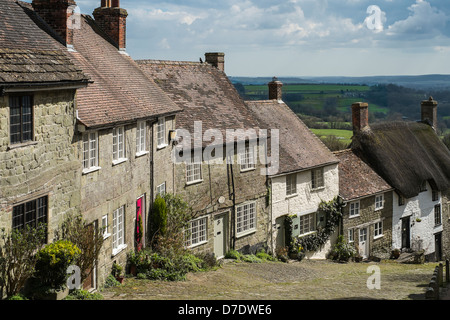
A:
[327,106]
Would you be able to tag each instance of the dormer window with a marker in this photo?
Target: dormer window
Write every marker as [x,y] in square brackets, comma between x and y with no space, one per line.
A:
[423,186]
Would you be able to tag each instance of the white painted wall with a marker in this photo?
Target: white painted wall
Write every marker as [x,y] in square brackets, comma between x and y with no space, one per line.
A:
[305,201]
[422,233]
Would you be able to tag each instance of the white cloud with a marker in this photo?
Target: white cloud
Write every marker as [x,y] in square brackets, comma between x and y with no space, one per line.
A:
[423,21]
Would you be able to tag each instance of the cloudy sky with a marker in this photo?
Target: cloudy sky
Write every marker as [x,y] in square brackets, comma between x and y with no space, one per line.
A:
[294,37]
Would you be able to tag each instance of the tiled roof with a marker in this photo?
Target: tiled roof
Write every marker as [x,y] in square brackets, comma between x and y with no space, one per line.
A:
[37,66]
[204,93]
[405,154]
[356,178]
[28,54]
[299,148]
[121,92]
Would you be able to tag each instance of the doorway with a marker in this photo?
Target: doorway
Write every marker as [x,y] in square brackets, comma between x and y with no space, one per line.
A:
[220,235]
[438,246]
[406,236]
[363,243]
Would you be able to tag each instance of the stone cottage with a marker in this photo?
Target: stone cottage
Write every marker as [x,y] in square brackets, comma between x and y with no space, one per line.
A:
[307,172]
[219,174]
[412,159]
[367,210]
[39,169]
[85,129]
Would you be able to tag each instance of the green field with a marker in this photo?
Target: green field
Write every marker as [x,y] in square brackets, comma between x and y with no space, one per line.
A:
[343,135]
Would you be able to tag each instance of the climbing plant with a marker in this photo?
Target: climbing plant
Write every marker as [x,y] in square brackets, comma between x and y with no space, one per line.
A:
[313,242]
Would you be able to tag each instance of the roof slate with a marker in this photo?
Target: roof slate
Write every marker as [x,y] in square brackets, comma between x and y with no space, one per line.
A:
[356,178]
[121,92]
[405,154]
[299,149]
[204,93]
[28,54]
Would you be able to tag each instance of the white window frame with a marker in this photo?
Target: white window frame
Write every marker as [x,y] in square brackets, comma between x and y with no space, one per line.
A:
[193,171]
[105,227]
[379,202]
[351,235]
[247,158]
[141,138]
[291,184]
[161,189]
[119,150]
[161,139]
[90,151]
[378,229]
[118,232]
[246,217]
[197,232]
[354,207]
[307,224]
[317,179]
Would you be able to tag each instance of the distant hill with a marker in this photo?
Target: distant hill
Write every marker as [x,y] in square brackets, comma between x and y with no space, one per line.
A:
[431,81]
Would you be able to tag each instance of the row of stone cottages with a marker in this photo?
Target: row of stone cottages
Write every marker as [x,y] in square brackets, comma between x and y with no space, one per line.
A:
[86,129]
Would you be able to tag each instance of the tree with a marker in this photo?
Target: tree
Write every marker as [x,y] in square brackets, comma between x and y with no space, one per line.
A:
[87,238]
[171,216]
[18,258]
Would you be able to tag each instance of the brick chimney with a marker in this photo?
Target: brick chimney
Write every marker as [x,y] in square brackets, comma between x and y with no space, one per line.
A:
[217,59]
[57,14]
[275,91]
[429,111]
[360,116]
[113,21]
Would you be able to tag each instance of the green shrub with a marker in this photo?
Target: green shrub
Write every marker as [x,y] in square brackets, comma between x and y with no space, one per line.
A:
[233,254]
[159,215]
[111,281]
[155,266]
[17,297]
[342,251]
[83,295]
[53,261]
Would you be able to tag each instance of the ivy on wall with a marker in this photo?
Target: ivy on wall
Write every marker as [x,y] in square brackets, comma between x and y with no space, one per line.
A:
[333,213]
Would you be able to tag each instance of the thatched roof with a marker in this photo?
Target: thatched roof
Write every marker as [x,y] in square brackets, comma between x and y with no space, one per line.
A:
[405,154]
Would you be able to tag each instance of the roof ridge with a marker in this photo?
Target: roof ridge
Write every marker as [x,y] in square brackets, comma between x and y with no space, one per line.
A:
[168,62]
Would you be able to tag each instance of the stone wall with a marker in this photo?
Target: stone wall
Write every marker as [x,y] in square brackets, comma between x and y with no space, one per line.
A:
[446,224]
[367,217]
[117,185]
[213,196]
[305,201]
[45,166]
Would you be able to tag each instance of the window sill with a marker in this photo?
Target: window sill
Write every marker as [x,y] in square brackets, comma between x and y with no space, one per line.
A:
[288,196]
[245,233]
[161,146]
[198,244]
[378,209]
[194,182]
[353,216]
[90,170]
[141,153]
[378,237]
[119,161]
[318,188]
[106,236]
[248,169]
[22,145]
[119,249]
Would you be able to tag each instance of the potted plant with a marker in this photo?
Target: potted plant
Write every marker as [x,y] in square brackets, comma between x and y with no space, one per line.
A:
[117,272]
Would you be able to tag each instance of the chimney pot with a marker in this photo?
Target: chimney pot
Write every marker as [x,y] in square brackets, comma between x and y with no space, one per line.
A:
[112,20]
[429,112]
[360,116]
[217,59]
[275,89]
